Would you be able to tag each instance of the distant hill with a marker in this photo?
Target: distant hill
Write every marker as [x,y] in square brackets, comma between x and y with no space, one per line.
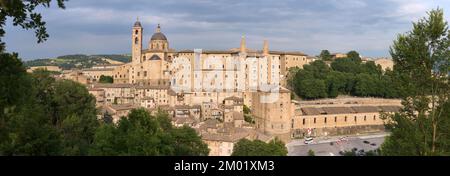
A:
[80,61]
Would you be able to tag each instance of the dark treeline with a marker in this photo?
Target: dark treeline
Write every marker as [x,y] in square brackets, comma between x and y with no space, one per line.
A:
[44,116]
[345,76]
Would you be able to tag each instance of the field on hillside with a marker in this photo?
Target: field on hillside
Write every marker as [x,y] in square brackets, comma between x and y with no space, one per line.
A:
[79,61]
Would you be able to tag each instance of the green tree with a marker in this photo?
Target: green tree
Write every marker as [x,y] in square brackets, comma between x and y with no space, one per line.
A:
[24,14]
[188,143]
[311,89]
[325,55]
[421,59]
[106,79]
[14,85]
[72,111]
[354,56]
[245,147]
[290,76]
[248,115]
[143,134]
[365,85]
[27,132]
[346,65]
[311,153]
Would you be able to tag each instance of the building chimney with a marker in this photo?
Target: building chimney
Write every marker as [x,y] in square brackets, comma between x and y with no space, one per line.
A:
[266,48]
[243,47]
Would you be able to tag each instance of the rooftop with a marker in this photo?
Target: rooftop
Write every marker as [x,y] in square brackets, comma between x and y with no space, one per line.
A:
[346,110]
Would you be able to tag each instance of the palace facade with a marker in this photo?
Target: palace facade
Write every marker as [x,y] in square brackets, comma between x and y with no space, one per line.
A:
[207,90]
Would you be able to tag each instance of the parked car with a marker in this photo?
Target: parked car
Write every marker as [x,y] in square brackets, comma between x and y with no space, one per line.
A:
[309,140]
[366,142]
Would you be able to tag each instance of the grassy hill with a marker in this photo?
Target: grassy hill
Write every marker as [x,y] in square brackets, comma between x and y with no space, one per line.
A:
[79,61]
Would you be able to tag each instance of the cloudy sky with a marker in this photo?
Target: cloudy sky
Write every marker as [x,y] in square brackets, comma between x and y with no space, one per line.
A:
[104,26]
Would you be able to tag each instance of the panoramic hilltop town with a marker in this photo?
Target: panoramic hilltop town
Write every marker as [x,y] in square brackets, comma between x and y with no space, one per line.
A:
[226,95]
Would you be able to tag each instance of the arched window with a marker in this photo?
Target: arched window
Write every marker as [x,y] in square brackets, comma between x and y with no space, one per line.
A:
[136,40]
[136,32]
[157,46]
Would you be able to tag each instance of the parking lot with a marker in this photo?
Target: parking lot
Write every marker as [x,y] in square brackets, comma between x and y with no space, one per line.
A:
[330,147]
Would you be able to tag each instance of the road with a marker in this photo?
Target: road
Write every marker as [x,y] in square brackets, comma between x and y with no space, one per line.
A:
[322,146]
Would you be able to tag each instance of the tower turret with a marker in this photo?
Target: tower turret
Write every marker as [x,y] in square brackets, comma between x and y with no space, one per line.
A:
[266,48]
[136,42]
[243,47]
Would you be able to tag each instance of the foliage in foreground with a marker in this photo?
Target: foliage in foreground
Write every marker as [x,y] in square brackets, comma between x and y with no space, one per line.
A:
[422,61]
[245,147]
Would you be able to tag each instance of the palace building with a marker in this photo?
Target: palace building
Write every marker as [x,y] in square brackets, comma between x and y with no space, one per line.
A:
[199,86]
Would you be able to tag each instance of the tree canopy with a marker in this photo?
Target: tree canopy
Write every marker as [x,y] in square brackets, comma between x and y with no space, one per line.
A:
[25,15]
[325,55]
[106,79]
[245,147]
[141,134]
[347,76]
[422,60]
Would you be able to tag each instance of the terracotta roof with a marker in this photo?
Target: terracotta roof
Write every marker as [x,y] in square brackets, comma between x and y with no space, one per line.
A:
[183,120]
[121,107]
[234,98]
[152,87]
[187,107]
[99,85]
[226,135]
[338,110]
[390,108]
[98,69]
[310,111]
[347,110]
[365,109]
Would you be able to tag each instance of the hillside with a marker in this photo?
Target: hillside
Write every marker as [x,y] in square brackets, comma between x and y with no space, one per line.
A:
[79,61]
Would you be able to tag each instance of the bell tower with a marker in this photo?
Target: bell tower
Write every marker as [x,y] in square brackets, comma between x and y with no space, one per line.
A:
[137,42]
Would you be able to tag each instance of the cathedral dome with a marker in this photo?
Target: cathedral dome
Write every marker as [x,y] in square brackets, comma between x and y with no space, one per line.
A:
[158,35]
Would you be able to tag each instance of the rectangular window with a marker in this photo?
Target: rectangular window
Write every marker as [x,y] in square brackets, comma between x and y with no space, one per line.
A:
[303,121]
[365,118]
[345,119]
[355,118]
[314,120]
[325,120]
[335,119]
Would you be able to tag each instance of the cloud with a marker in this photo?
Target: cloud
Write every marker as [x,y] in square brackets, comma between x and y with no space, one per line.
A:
[104,26]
